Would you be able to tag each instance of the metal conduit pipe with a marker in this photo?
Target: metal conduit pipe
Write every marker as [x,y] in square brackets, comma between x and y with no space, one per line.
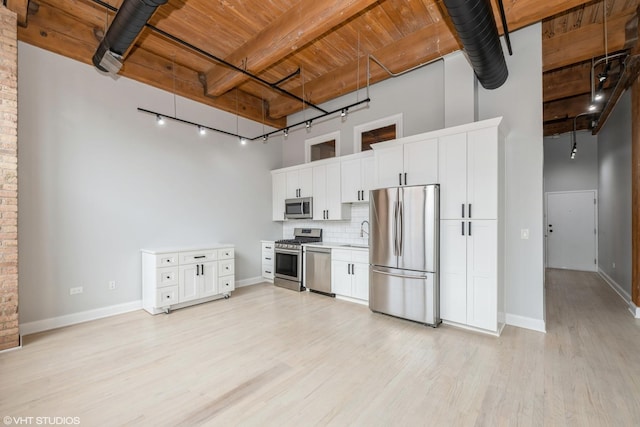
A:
[127,24]
[476,27]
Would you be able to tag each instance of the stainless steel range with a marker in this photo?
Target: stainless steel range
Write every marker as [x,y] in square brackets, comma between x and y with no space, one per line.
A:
[288,263]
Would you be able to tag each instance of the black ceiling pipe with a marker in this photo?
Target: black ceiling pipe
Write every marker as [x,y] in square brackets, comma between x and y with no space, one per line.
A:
[478,32]
[127,24]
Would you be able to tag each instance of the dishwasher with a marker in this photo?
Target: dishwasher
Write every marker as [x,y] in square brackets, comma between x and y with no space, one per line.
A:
[317,277]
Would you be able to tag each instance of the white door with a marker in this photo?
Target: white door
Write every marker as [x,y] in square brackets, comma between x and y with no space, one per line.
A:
[389,164]
[482,174]
[319,192]
[333,200]
[368,176]
[452,154]
[571,230]
[351,185]
[453,271]
[209,273]
[482,274]
[279,187]
[189,286]
[360,281]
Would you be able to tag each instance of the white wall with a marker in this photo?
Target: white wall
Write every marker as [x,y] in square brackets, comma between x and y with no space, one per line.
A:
[519,101]
[99,180]
[614,209]
[561,173]
[418,95]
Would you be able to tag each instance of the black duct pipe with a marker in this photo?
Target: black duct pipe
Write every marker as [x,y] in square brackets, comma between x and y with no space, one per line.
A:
[478,32]
[127,24]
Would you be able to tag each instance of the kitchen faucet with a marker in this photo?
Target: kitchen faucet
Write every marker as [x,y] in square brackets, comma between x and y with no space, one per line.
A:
[362,230]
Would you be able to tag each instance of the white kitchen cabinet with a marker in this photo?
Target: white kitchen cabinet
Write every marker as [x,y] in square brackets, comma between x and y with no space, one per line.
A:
[357,176]
[406,161]
[469,175]
[472,226]
[350,273]
[468,273]
[268,256]
[327,203]
[176,278]
[299,182]
[278,195]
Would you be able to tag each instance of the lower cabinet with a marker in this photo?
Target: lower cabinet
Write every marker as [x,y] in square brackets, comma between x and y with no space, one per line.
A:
[350,273]
[180,278]
[268,256]
[469,291]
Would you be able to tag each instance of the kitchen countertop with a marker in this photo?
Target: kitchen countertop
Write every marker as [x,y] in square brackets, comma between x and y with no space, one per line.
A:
[156,251]
[336,245]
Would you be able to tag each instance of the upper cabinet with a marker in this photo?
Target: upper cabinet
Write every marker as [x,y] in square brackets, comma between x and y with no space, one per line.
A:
[327,204]
[469,175]
[278,195]
[357,172]
[299,183]
[406,161]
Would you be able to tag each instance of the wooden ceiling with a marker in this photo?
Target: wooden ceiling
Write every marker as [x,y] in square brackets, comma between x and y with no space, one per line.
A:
[327,41]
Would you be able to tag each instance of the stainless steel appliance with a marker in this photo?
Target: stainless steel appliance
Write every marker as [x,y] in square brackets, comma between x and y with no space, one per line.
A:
[288,262]
[317,271]
[404,252]
[301,208]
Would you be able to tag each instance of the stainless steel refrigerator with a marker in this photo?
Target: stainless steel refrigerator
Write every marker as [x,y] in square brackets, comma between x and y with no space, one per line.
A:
[404,252]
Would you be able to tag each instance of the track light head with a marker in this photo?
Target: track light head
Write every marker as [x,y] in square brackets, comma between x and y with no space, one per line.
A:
[243,141]
[265,138]
[160,120]
[598,96]
[602,77]
[343,113]
[307,124]
[202,130]
[286,132]
[592,107]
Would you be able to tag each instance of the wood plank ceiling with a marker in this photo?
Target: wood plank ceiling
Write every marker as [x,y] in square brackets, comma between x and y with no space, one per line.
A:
[328,42]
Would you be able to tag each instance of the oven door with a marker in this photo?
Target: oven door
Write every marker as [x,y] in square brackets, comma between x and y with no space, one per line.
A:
[288,268]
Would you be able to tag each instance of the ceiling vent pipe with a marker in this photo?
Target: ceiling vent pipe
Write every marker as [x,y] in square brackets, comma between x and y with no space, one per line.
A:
[477,30]
[127,24]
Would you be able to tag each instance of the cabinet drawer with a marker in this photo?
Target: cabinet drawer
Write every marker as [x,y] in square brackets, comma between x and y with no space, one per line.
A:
[267,271]
[166,260]
[267,257]
[360,256]
[167,296]
[341,255]
[269,247]
[167,276]
[225,253]
[225,268]
[227,284]
[197,257]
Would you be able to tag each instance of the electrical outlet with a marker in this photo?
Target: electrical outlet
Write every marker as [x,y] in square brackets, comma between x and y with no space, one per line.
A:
[75,291]
[112,284]
[524,234]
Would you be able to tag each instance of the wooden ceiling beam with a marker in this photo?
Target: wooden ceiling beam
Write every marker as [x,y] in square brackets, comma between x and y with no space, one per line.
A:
[567,82]
[569,107]
[20,7]
[63,34]
[559,127]
[422,46]
[300,25]
[584,43]
[521,13]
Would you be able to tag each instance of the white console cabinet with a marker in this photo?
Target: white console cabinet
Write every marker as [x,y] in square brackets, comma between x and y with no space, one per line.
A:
[179,277]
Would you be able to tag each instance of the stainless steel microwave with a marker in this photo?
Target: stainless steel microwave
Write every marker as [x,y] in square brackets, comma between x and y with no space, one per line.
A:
[301,208]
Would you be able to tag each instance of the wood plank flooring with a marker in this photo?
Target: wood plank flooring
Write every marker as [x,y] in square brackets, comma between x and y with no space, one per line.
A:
[270,356]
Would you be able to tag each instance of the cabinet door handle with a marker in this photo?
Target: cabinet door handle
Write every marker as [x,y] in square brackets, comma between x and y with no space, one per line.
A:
[405,178]
[463,210]
[469,228]
[469,210]
[362,196]
[462,223]
[268,272]
[348,268]
[199,257]
[268,259]
[327,213]
[197,270]
[400,178]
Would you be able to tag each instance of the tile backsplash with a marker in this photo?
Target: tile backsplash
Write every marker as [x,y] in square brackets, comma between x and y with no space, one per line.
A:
[335,231]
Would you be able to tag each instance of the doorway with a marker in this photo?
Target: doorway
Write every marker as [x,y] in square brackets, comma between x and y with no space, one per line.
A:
[571,230]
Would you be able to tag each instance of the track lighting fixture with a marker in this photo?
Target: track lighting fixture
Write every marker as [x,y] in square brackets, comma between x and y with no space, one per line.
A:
[592,107]
[243,141]
[286,132]
[265,138]
[343,113]
[202,130]
[160,119]
[598,96]
[307,124]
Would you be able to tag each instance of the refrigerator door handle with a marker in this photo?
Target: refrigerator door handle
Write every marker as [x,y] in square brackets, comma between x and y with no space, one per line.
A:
[401,233]
[395,229]
[403,276]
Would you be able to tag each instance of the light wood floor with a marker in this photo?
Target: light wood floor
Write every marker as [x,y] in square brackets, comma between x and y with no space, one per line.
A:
[270,356]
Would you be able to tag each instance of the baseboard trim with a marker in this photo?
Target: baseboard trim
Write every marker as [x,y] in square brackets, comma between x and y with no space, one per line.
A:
[526,322]
[83,316]
[621,293]
[250,281]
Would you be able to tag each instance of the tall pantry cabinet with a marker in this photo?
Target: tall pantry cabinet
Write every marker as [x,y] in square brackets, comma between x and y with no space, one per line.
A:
[472,226]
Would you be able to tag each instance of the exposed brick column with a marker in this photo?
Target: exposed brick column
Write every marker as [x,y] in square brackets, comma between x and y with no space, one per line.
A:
[9,333]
